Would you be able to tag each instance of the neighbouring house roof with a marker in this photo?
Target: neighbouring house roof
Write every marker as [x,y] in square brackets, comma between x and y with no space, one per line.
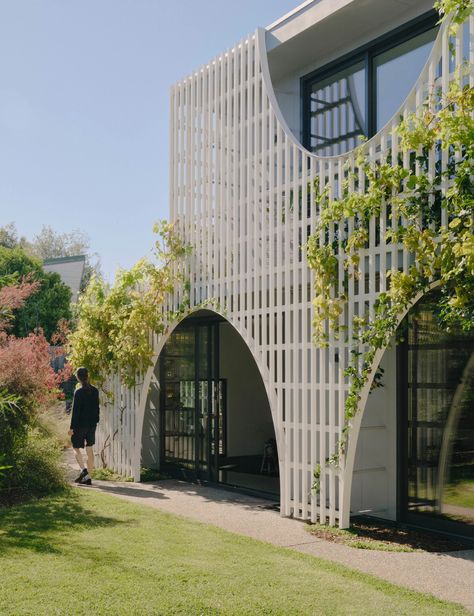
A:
[70,269]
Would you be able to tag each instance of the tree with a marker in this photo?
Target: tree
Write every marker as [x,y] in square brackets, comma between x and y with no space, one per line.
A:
[45,308]
[49,244]
[9,237]
[115,322]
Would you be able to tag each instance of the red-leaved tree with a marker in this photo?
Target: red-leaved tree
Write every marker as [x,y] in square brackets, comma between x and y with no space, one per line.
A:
[13,296]
[25,363]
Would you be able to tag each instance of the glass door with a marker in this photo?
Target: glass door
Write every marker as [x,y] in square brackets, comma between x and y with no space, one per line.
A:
[178,422]
[437,423]
[192,401]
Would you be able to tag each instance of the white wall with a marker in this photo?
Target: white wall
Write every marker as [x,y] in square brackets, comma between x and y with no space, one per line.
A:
[374,488]
[249,421]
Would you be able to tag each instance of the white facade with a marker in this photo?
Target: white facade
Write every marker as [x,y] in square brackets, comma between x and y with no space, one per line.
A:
[240,184]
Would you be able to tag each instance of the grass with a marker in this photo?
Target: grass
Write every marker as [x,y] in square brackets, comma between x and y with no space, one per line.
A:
[83,552]
[107,474]
[56,421]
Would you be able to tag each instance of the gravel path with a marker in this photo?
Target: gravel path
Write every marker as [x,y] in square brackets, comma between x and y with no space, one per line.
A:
[449,575]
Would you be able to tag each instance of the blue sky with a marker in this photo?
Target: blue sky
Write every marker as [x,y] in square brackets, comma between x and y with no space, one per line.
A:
[84,89]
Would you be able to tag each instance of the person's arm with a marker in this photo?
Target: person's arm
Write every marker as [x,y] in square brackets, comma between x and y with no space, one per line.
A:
[76,410]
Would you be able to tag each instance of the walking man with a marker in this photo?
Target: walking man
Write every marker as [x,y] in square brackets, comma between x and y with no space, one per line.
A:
[84,420]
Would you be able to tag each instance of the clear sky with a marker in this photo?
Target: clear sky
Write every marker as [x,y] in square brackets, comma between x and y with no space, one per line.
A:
[84,87]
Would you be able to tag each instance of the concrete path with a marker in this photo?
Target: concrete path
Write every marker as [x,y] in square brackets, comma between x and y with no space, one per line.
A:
[448,575]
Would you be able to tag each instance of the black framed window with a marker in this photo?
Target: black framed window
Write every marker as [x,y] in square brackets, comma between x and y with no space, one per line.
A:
[356,95]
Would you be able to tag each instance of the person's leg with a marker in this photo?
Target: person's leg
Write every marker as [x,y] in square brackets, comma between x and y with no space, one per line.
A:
[79,458]
[90,458]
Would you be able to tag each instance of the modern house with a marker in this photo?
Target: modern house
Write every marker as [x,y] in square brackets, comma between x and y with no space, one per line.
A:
[239,394]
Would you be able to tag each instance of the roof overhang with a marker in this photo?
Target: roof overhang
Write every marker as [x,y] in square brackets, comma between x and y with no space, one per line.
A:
[327,28]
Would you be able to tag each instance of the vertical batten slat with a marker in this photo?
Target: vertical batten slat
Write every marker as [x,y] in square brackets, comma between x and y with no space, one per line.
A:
[303,344]
[293,374]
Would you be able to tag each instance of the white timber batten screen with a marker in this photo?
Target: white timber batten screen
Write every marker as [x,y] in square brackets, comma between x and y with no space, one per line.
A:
[242,196]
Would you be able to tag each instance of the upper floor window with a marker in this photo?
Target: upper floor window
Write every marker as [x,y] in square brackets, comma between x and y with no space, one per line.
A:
[357,95]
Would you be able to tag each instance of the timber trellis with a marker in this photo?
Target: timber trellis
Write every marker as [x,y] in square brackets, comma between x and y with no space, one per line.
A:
[241,189]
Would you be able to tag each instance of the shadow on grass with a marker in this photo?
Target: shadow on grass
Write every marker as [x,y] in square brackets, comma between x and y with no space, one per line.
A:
[44,525]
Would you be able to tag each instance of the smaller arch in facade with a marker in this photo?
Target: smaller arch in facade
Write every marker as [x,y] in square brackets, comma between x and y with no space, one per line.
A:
[207,413]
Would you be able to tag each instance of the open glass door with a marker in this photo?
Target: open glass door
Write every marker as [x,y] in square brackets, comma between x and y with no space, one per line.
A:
[192,402]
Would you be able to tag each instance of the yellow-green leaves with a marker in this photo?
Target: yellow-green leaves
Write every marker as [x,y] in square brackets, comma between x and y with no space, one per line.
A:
[115,323]
[457,10]
[428,194]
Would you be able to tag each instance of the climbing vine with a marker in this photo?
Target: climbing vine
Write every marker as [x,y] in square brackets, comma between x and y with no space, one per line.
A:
[115,322]
[430,213]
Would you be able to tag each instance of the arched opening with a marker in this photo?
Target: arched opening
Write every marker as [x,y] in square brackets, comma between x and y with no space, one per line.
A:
[436,421]
[414,460]
[208,416]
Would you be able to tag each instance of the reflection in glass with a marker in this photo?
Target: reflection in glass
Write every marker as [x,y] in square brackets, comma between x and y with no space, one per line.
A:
[396,72]
[440,419]
[337,111]
[192,398]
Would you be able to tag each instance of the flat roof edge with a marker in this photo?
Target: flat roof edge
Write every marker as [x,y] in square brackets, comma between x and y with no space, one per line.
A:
[293,12]
[57,260]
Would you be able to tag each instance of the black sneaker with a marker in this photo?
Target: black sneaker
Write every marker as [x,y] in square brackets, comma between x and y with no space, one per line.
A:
[81,476]
[86,480]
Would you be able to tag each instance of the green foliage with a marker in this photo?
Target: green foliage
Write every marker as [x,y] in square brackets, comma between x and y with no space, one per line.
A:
[48,305]
[107,474]
[115,323]
[151,474]
[316,485]
[438,252]
[457,10]
[37,469]
[30,457]
[13,432]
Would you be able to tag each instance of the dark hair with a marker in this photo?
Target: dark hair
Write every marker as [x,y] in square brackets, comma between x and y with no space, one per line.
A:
[82,375]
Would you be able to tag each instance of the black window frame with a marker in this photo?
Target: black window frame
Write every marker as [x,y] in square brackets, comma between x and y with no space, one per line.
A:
[403,514]
[366,54]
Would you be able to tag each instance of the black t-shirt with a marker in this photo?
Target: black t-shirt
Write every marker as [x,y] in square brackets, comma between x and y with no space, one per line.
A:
[85,408]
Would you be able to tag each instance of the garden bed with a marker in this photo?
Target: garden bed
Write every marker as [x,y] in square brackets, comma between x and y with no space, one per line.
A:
[371,535]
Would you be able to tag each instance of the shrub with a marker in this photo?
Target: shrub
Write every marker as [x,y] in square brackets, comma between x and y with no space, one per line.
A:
[25,368]
[38,469]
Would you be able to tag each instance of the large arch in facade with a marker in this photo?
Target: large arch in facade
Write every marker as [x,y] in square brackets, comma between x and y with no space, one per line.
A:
[417,452]
[239,335]
[356,423]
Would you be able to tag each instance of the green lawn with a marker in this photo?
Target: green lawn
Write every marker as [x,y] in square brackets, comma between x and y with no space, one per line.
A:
[83,552]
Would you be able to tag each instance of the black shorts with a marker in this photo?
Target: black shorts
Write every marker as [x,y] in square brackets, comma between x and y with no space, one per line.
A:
[81,436]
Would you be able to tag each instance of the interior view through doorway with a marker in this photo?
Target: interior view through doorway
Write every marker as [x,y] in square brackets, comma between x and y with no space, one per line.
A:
[215,418]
